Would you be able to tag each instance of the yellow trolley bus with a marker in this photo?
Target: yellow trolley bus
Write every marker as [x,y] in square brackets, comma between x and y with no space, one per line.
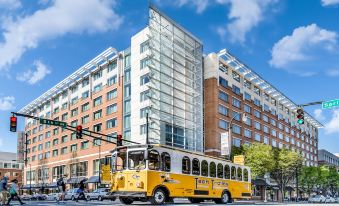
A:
[159,173]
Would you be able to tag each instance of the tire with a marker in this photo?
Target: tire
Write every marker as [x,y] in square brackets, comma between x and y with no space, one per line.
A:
[195,200]
[72,198]
[225,198]
[100,198]
[159,197]
[126,200]
[88,198]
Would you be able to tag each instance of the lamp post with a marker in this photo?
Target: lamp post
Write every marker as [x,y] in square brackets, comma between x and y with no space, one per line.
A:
[244,119]
[30,178]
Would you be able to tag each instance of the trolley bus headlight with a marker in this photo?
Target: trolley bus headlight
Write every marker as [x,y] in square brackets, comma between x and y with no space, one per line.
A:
[140,184]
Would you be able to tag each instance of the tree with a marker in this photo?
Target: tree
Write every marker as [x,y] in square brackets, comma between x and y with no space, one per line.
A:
[236,151]
[309,178]
[280,163]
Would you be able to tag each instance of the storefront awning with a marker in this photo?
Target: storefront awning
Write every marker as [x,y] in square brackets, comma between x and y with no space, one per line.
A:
[93,179]
[27,187]
[259,182]
[75,180]
[52,185]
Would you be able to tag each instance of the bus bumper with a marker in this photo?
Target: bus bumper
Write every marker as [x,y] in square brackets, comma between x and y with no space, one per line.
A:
[128,194]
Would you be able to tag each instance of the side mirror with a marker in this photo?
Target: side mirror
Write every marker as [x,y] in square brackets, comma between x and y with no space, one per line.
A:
[146,155]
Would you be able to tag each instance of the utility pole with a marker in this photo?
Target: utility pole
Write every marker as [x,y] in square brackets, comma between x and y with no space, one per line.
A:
[147,128]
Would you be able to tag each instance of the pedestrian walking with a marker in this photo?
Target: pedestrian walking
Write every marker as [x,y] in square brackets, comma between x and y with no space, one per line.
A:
[81,191]
[62,189]
[3,190]
[14,192]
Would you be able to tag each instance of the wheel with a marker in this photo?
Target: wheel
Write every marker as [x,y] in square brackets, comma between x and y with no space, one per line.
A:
[100,198]
[88,198]
[159,197]
[195,200]
[126,200]
[72,198]
[225,198]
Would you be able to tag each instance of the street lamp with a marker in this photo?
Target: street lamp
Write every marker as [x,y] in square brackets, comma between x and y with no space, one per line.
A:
[244,119]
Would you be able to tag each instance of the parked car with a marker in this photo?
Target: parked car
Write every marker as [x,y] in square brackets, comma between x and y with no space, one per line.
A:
[53,196]
[317,198]
[109,196]
[72,194]
[39,197]
[25,197]
[329,199]
[97,194]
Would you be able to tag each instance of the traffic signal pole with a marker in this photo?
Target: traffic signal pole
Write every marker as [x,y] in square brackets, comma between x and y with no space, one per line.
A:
[87,132]
[310,104]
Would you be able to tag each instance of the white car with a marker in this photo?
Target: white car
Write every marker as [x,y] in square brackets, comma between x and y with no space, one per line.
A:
[98,194]
[317,198]
[25,197]
[71,194]
[53,196]
[329,199]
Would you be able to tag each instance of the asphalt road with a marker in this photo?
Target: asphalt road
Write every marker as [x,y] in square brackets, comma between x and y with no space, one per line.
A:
[180,202]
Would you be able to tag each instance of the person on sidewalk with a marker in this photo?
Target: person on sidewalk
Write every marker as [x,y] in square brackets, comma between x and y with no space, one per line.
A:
[62,189]
[3,189]
[14,192]
[81,191]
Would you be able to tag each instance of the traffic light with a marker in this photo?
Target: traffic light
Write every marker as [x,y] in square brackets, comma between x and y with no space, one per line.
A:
[13,124]
[300,116]
[79,132]
[119,140]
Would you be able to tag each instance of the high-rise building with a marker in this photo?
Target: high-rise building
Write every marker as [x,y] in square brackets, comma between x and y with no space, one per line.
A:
[327,158]
[159,76]
[233,89]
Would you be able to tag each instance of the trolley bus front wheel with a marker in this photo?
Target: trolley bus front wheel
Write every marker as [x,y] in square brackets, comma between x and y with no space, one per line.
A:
[225,198]
[159,197]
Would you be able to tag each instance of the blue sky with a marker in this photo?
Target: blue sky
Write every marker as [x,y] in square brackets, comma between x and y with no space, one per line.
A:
[291,44]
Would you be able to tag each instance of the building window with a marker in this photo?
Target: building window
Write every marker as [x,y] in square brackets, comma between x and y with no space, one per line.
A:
[247,133]
[84,145]
[64,150]
[112,66]
[247,84]
[85,119]
[144,46]
[266,140]
[223,82]
[223,124]
[257,102]
[74,112]
[248,121]
[247,96]
[97,114]
[256,90]
[85,107]
[266,130]
[111,109]
[236,90]
[143,112]
[112,80]
[236,142]
[223,110]
[97,88]
[143,129]
[144,79]
[144,63]
[223,96]
[247,108]
[111,123]
[257,137]
[74,148]
[281,135]
[85,95]
[144,95]
[257,125]
[97,127]
[236,102]
[64,139]
[55,152]
[274,132]
[112,94]
[97,101]
[266,108]
[265,118]
[236,129]
[97,75]
[236,76]
[257,114]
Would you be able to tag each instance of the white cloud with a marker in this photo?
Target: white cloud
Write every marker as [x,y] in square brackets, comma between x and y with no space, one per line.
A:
[1,142]
[244,16]
[60,18]
[333,125]
[10,4]
[336,154]
[329,2]
[200,5]
[333,72]
[7,103]
[301,46]
[318,114]
[32,77]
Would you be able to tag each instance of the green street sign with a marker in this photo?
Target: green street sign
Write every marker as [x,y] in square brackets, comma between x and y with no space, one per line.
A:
[53,122]
[330,104]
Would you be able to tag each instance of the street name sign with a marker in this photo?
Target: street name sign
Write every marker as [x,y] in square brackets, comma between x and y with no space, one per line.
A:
[53,122]
[330,104]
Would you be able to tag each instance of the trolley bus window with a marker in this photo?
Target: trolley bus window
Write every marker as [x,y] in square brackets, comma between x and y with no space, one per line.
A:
[114,160]
[195,166]
[227,172]
[166,162]
[212,169]
[186,166]
[204,168]
[136,160]
[220,171]
[245,175]
[121,160]
[239,174]
[233,173]
[153,160]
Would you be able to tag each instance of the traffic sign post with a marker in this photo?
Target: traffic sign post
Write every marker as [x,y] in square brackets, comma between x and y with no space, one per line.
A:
[330,104]
[53,122]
